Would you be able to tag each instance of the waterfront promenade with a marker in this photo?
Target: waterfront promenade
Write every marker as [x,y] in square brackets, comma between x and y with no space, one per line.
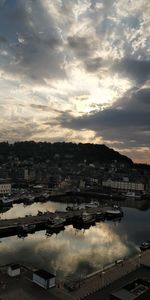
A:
[103,278]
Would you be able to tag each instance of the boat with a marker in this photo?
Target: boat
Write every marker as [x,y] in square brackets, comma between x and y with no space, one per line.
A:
[88,218]
[6,202]
[29,200]
[74,207]
[132,194]
[25,229]
[114,213]
[40,213]
[4,209]
[92,204]
[57,222]
[46,196]
[100,216]
[145,246]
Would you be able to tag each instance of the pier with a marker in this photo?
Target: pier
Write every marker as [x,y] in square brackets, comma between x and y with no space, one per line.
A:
[101,279]
[10,227]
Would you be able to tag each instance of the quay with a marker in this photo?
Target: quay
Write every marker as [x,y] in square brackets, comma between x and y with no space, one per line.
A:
[9,227]
[55,196]
[98,285]
[102,279]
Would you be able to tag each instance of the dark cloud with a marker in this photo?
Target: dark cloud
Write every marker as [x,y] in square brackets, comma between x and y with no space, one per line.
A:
[40,107]
[126,121]
[33,40]
[92,65]
[138,70]
[80,45]
[84,49]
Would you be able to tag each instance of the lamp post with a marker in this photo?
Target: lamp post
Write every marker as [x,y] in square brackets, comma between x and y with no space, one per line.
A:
[103,279]
[140,259]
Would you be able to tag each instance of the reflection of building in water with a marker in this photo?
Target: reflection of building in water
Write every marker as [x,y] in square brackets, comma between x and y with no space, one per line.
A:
[133,203]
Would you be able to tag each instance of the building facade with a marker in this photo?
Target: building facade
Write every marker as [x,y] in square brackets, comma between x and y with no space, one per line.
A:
[123,185]
[5,188]
[44,279]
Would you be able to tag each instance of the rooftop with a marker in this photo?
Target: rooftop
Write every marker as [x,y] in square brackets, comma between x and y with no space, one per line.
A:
[44,274]
[14,267]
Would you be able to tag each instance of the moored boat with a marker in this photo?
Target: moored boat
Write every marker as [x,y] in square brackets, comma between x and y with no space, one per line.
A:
[88,218]
[57,222]
[145,246]
[132,194]
[27,228]
[92,204]
[5,202]
[114,213]
[29,200]
[74,207]
[100,216]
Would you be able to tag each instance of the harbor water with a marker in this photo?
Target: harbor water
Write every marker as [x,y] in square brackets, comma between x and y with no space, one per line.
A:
[72,252]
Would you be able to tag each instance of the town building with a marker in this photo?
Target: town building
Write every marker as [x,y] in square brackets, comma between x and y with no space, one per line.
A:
[44,279]
[5,187]
[124,185]
[14,270]
[138,289]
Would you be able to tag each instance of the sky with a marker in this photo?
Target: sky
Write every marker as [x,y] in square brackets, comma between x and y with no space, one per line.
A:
[76,71]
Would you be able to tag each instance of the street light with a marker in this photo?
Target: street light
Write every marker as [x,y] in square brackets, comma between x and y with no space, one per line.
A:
[103,279]
[140,259]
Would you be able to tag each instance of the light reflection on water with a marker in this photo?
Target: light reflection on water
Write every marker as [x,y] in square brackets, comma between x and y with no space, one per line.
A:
[21,210]
[78,251]
[71,251]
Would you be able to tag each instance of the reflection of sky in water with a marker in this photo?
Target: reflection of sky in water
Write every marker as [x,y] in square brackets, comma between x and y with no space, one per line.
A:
[79,251]
[20,210]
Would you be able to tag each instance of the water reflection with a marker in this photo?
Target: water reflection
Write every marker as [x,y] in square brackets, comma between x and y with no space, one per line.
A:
[75,251]
[70,252]
[21,210]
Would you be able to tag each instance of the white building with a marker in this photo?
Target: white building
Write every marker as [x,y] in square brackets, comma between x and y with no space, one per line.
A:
[5,188]
[14,270]
[44,279]
[123,185]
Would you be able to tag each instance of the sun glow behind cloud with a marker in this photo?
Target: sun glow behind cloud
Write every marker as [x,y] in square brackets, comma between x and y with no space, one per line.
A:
[68,59]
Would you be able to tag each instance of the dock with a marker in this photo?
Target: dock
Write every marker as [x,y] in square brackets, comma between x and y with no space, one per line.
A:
[9,227]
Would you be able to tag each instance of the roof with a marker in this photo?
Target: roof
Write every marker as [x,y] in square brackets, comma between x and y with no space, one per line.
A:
[44,274]
[123,294]
[15,266]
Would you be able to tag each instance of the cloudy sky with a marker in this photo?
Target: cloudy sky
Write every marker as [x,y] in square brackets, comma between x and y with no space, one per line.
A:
[76,70]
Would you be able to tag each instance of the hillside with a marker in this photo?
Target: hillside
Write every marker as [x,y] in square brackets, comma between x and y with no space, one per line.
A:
[43,151]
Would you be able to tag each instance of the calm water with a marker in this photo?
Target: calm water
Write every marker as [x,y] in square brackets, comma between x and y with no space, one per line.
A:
[76,251]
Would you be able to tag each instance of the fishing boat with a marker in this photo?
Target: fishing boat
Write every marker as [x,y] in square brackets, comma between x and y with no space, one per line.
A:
[23,230]
[92,204]
[114,213]
[100,216]
[29,200]
[5,202]
[145,246]
[88,218]
[74,207]
[57,222]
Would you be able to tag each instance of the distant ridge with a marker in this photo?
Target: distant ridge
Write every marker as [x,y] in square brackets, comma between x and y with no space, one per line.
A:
[42,151]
